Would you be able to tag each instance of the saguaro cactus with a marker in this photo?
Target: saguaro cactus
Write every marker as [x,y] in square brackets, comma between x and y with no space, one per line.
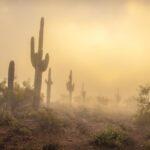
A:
[39,64]
[70,86]
[49,84]
[83,92]
[11,72]
[118,97]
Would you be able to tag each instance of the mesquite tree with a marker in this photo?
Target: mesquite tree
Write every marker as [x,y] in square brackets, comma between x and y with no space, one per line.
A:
[49,84]
[40,65]
[70,86]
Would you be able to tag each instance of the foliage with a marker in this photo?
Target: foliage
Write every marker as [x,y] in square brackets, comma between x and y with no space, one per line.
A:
[48,120]
[143,116]
[21,129]
[111,138]
[7,119]
[21,99]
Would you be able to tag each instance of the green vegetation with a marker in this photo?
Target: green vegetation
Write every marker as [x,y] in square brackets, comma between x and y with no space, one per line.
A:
[143,115]
[7,119]
[113,138]
[48,120]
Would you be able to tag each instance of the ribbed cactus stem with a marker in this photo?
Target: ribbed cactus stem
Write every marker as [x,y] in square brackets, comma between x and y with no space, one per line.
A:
[70,86]
[40,65]
[49,83]
[11,72]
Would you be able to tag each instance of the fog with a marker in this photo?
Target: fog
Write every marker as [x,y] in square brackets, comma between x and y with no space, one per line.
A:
[106,44]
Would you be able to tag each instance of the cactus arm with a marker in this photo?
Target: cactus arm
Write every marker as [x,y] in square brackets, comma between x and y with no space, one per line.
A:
[44,63]
[40,48]
[33,54]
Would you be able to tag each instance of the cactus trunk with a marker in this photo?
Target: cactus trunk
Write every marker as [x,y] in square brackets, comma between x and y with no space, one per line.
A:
[70,86]
[37,88]
[49,84]
[48,95]
[11,71]
[39,64]
[11,76]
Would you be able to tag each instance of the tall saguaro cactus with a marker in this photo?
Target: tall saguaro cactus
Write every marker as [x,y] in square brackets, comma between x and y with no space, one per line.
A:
[49,84]
[11,76]
[40,65]
[70,86]
[11,72]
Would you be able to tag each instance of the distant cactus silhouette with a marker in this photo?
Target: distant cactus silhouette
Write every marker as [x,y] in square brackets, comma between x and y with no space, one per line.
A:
[39,64]
[118,97]
[11,72]
[49,84]
[70,86]
[83,92]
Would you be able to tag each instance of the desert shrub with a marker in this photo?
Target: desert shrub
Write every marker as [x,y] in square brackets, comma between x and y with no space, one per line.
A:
[7,119]
[20,99]
[83,112]
[48,120]
[143,99]
[20,129]
[113,138]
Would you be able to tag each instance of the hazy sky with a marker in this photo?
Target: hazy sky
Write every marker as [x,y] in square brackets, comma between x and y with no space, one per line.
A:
[105,42]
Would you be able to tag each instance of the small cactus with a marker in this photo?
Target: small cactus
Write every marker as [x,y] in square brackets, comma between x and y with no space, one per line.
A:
[11,72]
[70,86]
[83,92]
[40,65]
[49,84]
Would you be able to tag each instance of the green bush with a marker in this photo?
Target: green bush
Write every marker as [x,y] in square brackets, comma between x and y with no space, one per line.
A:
[7,119]
[48,120]
[21,130]
[111,138]
[143,99]
[21,98]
